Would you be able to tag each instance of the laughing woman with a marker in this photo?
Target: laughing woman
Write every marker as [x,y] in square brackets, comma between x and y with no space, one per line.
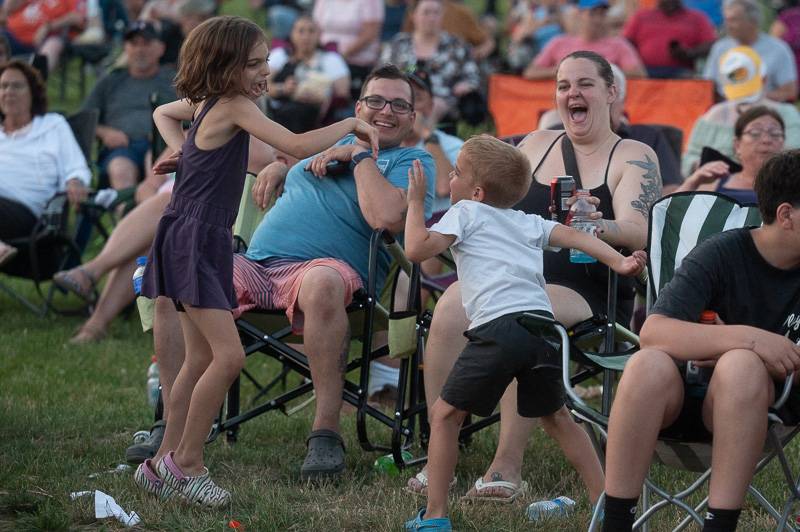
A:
[623,179]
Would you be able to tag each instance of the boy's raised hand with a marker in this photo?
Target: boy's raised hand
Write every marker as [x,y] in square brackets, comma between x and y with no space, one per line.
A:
[632,265]
[416,182]
[367,133]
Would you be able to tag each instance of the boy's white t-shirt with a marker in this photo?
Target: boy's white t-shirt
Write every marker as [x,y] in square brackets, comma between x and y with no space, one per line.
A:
[498,253]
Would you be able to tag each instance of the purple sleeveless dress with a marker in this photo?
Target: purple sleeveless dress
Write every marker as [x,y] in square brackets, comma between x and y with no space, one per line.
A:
[191,260]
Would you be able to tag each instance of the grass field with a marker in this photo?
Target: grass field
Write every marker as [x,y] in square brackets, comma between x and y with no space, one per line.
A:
[68,412]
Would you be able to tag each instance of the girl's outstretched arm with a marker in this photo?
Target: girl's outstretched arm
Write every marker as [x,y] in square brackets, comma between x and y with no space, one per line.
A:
[168,118]
[247,116]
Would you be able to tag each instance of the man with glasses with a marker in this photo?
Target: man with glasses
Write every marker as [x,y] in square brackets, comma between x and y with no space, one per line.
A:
[309,253]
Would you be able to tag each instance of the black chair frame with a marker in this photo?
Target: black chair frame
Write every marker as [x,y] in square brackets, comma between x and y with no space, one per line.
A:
[408,411]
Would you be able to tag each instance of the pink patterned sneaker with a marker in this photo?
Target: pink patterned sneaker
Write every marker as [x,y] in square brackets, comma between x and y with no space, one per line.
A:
[200,490]
[146,478]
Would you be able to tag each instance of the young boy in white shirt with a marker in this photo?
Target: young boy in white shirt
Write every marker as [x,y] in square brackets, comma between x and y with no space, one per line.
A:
[498,254]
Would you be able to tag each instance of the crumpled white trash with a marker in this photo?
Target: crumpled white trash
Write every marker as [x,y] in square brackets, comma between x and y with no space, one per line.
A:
[105,506]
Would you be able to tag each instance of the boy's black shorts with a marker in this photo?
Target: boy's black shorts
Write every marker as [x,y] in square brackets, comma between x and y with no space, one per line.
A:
[498,352]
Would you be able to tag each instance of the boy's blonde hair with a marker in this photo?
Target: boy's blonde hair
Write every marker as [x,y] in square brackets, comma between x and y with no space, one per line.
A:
[214,55]
[500,169]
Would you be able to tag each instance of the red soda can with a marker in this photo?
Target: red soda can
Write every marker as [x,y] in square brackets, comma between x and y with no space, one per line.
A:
[562,187]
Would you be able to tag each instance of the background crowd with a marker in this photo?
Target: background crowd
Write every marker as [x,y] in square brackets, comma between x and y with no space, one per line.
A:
[322,51]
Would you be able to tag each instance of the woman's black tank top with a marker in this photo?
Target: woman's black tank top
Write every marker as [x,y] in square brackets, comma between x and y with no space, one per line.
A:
[590,280]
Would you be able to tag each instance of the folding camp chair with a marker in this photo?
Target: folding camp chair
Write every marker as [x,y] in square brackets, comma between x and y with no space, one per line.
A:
[48,249]
[269,333]
[678,223]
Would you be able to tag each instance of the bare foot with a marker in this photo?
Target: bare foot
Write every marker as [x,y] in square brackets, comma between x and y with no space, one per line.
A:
[87,335]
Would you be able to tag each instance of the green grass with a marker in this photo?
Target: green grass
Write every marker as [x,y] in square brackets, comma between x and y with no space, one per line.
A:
[68,412]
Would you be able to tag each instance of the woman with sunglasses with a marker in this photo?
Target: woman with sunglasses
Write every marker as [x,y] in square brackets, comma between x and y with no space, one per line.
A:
[759,134]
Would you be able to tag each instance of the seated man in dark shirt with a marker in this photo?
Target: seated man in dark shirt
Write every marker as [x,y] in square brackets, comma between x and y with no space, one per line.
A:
[751,279]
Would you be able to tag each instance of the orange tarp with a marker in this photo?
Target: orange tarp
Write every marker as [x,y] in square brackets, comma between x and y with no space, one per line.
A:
[517,103]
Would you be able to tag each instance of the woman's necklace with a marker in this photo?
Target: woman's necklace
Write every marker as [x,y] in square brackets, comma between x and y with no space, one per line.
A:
[592,152]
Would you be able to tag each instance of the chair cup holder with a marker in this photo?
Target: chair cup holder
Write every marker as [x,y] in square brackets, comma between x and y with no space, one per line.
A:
[402,333]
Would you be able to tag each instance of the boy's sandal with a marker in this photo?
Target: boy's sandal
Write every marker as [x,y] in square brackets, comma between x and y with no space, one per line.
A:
[477,493]
[325,456]
[67,281]
[419,523]
[200,489]
[418,484]
[146,478]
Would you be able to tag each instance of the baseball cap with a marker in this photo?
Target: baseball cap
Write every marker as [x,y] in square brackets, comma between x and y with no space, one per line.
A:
[143,28]
[741,74]
[591,4]
[422,79]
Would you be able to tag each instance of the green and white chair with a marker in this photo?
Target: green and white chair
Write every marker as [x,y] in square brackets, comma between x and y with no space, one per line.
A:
[678,223]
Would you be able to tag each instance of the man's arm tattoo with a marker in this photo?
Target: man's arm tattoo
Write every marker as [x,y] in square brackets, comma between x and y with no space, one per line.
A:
[651,185]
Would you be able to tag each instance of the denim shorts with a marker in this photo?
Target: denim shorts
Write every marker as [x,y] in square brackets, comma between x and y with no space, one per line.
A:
[135,151]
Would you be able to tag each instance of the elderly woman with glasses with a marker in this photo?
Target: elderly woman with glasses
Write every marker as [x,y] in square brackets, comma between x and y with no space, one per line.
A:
[39,155]
[758,135]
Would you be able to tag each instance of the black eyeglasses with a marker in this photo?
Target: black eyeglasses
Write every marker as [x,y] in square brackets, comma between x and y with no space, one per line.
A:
[398,105]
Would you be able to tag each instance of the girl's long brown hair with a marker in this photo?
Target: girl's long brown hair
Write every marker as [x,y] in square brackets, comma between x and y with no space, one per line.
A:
[213,56]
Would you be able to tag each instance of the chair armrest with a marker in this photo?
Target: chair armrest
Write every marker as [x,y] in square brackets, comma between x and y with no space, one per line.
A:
[787,389]
[540,325]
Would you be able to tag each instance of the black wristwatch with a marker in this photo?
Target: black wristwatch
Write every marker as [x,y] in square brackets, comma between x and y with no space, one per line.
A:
[358,157]
[433,138]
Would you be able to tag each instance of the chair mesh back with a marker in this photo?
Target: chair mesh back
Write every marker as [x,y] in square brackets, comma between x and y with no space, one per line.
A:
[680,222]
[249,216]
[83,125]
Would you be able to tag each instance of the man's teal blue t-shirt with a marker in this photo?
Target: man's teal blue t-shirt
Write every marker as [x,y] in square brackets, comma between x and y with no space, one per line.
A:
[320,217]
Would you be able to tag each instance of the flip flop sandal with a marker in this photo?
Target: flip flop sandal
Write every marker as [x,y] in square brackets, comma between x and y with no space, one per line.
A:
[325,456]
[422,478]
[481,486]
[68,282]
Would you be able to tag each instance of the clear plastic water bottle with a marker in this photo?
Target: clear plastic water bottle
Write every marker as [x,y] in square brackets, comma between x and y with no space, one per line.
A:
[141,262]
[580,220]
[558,507]
[152,382]
[385,464]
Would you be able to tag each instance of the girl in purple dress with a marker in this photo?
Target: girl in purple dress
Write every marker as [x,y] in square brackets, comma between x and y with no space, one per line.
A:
[223,70]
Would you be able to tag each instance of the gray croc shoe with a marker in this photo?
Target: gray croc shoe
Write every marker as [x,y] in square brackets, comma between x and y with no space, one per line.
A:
[139,452]
[325,456]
